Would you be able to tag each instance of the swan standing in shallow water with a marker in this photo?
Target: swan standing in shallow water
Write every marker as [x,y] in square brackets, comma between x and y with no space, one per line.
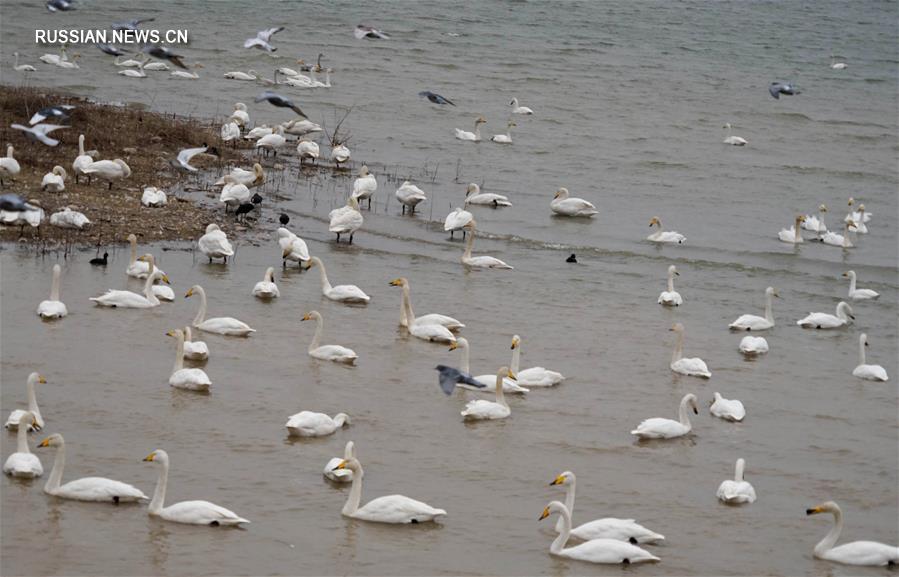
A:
[534,376]
[15,417]
[98,489]
[430,319]
[671,297]
[692,367]
[221,325]
[664,236]
[181,378]
[127,299]
[53,308]
[190,512]
[825,321]
[738,491]
[23,463]
[487,381]
[858,294]
[331,471]
[346,219]
[214,243]
[431,329]
[659,428]
[732,139]
[335,353]
[750,345]
[22,67]
[292,248]
[727,409]
[388,509]
[472,136]
[458,219]
[595,551]
[309,424]
[365,186]
[344,293]
[792,235]
[489,410]
[605,528]
[194,350]
[340,153]
[410,196]
[519,109]
[479,261]
[266,288]
[863,370]
[868,553]
[755,322]
[563,205]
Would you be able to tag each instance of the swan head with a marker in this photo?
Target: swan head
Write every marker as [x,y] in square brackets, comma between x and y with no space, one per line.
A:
[149,258]
[175,333]
[461,342]
[673,270]
[822,208]
[849,274]
[352,463]
[311,263]
[54,440]
[553,507]
[212,227]
[827,507]
[311,315]
[563,479]
[349,452]
[353,202]
[727,125]
[506,372]
[677,327]
[655,221]
[844,307]
[861,208]
[257,170]
[847,224]
[863,339]
[157,456]
[192,290]
[472,189]
[132,239]
[516,342]
[35,378]
[514,102]
[363,171]
[399,282]
[800,218]
[561,193]
[480,120]
[28,417]
[771,291]
[851,201]
[60,171]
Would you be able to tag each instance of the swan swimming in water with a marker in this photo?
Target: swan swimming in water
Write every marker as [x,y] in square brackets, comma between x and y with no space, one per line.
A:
[479,261]
[127,299]
[671,297]
[336,353]
[181,378]
[792,235]
[564,205]
[194,350]
[727,409]
[266,288]
[869,553]
[858,294]
[755,322]
[606,528]
[732,139]
[481,409]
[15,417]
[190,512]
[472,136]
[659,428]
[504,138]
[473,195]
[310,424]
[842,318]
[692,367]
[487,381]
[406,312]
[430,328]
[840,240]
[227,326]
[534,376]
[736,491]
[344,475]
[751,346]
[344,293]
[610,551]
[664,236]
[816,223]
[98,489]
[23,463]
[864,370]
[516,109]
[53,308]
[346,219]
[365,186]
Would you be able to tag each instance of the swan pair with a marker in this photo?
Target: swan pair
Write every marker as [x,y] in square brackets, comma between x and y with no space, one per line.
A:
[215,244]
[692,367]
[181,378]
[346,219]
[345,293]
[842,318]
[53,308]
[335,353]
[36,421]
[664,236]
[564,205]
[479,261]
[127,299]
[610,551]
[397,509]
[659,428]
[309,424]
[670,297]
[488,384]
[755,322]
[737,491]
[480,409]
[867,553]
[227,326]
[432,328]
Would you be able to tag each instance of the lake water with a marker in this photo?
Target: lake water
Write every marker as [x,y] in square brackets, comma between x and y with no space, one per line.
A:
[630,99]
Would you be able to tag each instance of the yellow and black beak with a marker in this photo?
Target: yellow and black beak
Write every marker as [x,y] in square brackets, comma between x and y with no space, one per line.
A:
[45,442]
[395,282]
[285,253]
[41,379]
[165,279]
[342,465]
[189,293]
[813,511]
[544,515]
[558,480]
[454,346]
[150,457]
[306,317]
[511,375]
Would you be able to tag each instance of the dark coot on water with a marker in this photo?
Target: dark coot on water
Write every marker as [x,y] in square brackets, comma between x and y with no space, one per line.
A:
[100,261]
[572,258]
[283,219]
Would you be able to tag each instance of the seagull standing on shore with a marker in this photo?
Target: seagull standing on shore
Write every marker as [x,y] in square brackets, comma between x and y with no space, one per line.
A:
[277,100]
[262,39]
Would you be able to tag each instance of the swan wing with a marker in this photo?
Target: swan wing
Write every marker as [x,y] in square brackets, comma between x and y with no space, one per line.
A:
[731,410]
[736,492]
[23,465]
[539,377]
[225,326]
[52,309]
[749,322]
[871,373]
[397,509]
[659,428]
[481,409]
[692,367]
[200,513]
[438,319]
[868,553]
[334,353]
[215,243]
[310,424]
[431,332]
[348,293]
[193,379]
[457,219]
[608,551]
[670,298]
[509,386]
[99,489]
[618,529]
[122,299]
[820,320]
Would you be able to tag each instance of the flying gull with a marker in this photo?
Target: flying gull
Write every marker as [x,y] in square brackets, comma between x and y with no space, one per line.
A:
[59,5]
[130,24]
[165,54]
[450,377]
[363,31]
[14,203]
[60,113]
[39,132]
[778,88]
[262,38]
[435,98]
[277,100]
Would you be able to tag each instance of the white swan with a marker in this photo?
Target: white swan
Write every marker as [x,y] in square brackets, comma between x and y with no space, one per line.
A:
[98,489]
[162,292]
[190,512]
[479,261]
[430,319]
[220,325]
[266,288]
[365,186]
[54,181]
[842,318]
[160,66]
[249,178]
[309,424]
[736,491]
[671,297]
[308,149]
[344,475]
[837,65]
[153,197]
[859,215]
[792,235]
[22,67]
[458,219]
[82,161]
[610,551]
[340,153]
[23,463]
[301,127]
[181,378]
[239,75]
[410,196]
[490,410]
[108,170]
[240,114]
[868,553]
[9,166]
[519,109]
[131,300]
[194,350]
[230,131]
[840,240]
[292,247]
[53,308]
[137,268]
[15,417]
[32,217]
[335,353]
[139,73]
[344,293]
[472,136]
[727,409]
[732,139]
[858,294]
[131,62]
[431,329]
[346,219]
[692,367]
[473,195]
[750,345]
[563,205]
[534,376]
[388,509]
[185,75]
[272,142]
[215,244]
[755,322]
[605,528]
[509,385]
[68,218]
[862,371]
[233,193]
[664,236]
[659,428]
[504,138]
[816,223]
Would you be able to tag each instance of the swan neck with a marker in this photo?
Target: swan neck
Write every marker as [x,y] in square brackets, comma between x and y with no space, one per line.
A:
[516,359]
[678,348]
[179,353]
[500,395]
[738,471]
[851,284]
[32,401]
[133,251]
[81,145]
[201,312]
[683,414]
[670,282]
[562,538]
[861,356]
[319,326]
[569,504]
[829,540]
[469,244]
[326,286]
[355,496]
[465,361]
[769,314]
[407,301]
[56,473]
[22,437]
[148,287]
[54,288]
[159,493]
